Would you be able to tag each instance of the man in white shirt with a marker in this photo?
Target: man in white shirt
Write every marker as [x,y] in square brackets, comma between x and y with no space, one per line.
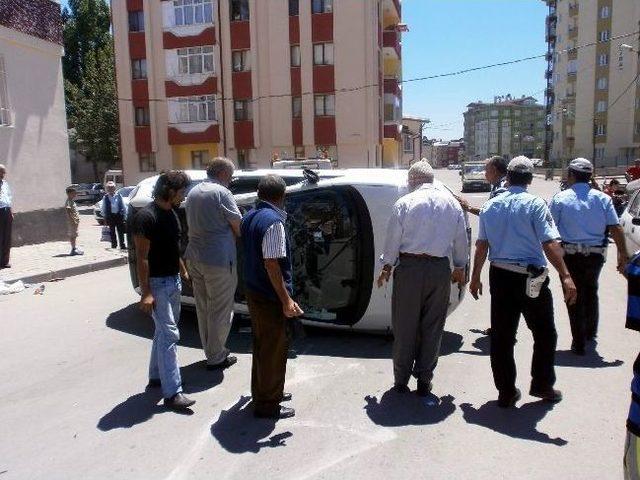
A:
[427,228]
[6,219]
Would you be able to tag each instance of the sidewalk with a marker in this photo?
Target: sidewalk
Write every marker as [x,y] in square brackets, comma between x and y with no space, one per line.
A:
[46,261]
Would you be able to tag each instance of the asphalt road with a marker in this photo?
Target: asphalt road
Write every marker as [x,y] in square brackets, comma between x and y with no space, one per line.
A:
[73,403]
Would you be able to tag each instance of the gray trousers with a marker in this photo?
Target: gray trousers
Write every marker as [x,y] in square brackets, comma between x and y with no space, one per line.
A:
[214,289]
[421,289]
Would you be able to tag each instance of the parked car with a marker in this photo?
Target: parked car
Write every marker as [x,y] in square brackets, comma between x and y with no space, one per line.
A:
[337,224]
[124,192]
[454,166]
[630,222]
[473,177]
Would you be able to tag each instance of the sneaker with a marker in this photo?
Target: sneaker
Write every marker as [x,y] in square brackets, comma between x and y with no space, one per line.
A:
[509,399]
[178,402]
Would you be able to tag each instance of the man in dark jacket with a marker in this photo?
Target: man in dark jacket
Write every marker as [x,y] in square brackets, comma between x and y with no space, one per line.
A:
[268,283]
[114,214]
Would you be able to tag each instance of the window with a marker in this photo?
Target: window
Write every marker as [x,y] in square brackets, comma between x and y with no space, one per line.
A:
[494,113]
[243,159]
[407,144]
[295,55]
[240,60]
[604,12]
[195,60]
[147,162]
[199,159]
[5,112]
[296,107]
[572,67]
[599,153]
[602,83]
[604,36]
[323,54]
[239,10]
[143,117]
[601,106]
[603,60]
[298,151]
[195,109]
[193,12]
[637,128]
[601,129]
[322,6]
[242,110]
[294,8]
[139,69]
[136,21]
[325,105]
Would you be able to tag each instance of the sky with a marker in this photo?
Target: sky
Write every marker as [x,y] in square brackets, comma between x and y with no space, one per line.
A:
[450,35]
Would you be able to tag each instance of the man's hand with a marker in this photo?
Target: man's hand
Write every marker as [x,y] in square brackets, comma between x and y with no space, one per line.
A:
[475,288]
[623,260]
[458,276]
[291,309]
[463,203]
[146,304]
[569,289]
[184,273]
[384,276]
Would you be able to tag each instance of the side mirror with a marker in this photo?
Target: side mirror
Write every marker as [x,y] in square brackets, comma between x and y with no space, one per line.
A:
[635,221]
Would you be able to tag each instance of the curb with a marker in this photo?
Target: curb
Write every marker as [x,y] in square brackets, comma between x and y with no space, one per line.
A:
[71,271]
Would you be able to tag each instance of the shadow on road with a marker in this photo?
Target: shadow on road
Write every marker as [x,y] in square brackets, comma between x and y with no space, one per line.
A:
[403,409]
[592,359]
[316,341]
[142,406]
[481,344]
[520,422]
[238,431]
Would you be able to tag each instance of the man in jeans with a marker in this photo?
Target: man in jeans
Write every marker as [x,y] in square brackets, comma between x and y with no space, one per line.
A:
[268,281]
[156,230]
[214,223]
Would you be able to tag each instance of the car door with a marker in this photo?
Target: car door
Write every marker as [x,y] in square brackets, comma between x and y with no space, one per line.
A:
[631,230]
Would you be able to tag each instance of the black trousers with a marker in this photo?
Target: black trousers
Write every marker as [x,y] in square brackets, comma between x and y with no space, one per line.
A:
[116,224]
[585,271]
[508,302]
[270,349]
[6,222]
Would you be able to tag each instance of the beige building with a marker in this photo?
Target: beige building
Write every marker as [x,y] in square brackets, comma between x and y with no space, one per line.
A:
[412,133]
[34,144]
[257,81]
[592,99]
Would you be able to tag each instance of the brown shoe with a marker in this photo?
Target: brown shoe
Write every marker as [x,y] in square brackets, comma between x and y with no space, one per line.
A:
[547,394]
[282,412]
[178,402]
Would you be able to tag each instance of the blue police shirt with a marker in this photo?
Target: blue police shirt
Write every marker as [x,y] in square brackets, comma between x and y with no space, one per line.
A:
[516,224]
[582,214]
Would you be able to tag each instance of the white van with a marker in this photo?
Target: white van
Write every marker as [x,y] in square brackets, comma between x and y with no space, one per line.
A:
[114,176]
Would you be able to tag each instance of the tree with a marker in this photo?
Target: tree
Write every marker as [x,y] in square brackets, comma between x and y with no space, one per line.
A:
[88,66]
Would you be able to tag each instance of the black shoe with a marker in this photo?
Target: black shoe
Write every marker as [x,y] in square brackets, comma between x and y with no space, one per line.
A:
[154,383]
[401,388]
[424,389]
[547,394]
[123,248]
[578,349]
[487,332]
[178,402]
[509,399]
[282,412]
[286,397]
[226,363]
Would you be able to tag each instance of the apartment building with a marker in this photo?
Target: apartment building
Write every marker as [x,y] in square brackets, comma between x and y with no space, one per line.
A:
[257,81]
[507,127]
[413,128]
[593,97]
[441,154]
[34,144]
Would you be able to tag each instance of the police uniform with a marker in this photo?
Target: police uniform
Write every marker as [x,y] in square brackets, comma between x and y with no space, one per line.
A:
[582,215]
[498,188]
[515,224]
[632,443]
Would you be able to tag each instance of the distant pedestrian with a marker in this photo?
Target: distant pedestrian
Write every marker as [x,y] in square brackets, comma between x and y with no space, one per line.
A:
[73,220]
[583,215]
[213,218]
[427,228]
[516,231]
[268,283]
[6,219]
[156,230]
[114,214]
[633,173]
[496,174]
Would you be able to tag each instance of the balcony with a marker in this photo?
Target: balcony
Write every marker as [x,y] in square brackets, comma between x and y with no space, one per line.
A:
[391,44]
[392,12]
[192,133]
[551,33]
[392,131]
[574,9]
[548,74]
[573,32]
[392,86]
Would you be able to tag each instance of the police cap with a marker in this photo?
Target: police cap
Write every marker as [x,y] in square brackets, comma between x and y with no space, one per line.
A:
[520,164]
[581,165]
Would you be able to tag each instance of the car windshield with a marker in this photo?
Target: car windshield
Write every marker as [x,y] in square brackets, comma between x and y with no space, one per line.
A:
[474,169]
[125,191]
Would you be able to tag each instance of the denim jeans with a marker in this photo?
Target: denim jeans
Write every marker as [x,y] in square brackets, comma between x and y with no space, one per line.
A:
[166,314]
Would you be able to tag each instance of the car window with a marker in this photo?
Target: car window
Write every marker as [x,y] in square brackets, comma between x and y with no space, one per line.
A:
[634,204]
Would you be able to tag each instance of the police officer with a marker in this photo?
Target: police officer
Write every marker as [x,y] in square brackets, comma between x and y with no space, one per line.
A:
[496,174]
[583,215]
[515,228]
